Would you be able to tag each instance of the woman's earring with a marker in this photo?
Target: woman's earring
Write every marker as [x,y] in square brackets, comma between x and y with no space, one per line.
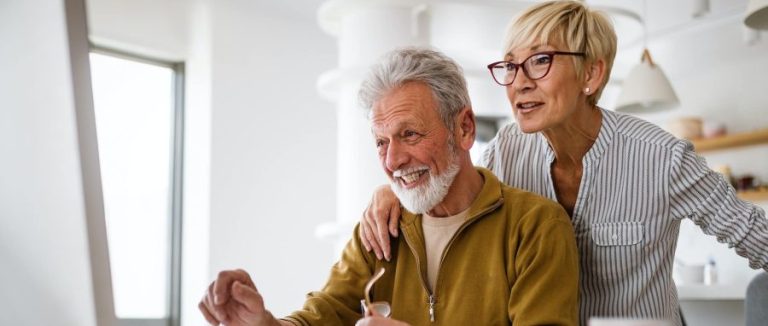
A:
[586,91]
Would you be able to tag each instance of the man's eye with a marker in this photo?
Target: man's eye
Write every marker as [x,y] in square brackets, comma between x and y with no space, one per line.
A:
[379,143]
[409,133]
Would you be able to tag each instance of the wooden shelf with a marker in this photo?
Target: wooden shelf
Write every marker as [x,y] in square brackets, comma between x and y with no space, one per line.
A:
[730,141]
[753,195]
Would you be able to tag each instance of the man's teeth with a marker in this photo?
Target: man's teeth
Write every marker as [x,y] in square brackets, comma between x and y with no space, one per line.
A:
[527,105]
[409,178]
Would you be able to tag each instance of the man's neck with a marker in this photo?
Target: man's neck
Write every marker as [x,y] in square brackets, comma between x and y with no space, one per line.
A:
[464,189]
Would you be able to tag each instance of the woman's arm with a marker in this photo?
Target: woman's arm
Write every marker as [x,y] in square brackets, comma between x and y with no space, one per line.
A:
[708,199]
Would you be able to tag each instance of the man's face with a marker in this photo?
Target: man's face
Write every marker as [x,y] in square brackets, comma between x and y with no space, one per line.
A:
[415,148]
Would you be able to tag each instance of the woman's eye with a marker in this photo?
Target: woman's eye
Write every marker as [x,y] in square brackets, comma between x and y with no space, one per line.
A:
[540,60]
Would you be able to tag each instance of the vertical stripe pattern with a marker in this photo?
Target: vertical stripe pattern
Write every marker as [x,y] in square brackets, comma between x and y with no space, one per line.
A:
[638,182]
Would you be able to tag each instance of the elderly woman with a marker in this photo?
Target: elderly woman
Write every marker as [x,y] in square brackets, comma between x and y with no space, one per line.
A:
[626,183]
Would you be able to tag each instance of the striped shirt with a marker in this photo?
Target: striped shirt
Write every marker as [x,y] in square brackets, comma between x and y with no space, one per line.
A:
[638,183]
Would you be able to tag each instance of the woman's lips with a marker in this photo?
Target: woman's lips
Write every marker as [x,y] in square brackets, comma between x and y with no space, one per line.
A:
[525,107]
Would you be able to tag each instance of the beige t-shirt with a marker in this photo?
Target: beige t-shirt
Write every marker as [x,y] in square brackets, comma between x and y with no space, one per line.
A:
[437,232]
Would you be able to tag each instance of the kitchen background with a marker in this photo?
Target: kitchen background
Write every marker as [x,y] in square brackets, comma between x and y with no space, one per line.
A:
[278,164]
[272,84]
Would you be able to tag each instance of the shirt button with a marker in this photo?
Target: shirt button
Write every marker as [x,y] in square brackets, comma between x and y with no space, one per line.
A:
[614,237]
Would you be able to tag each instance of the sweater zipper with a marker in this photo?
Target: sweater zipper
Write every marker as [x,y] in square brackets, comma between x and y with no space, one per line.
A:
[431,300]
[431,308]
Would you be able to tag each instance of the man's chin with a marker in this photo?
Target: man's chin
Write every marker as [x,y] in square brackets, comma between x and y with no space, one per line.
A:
[410,199]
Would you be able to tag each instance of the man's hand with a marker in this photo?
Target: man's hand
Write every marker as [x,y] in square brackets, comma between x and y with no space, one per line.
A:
[379,220]
[233,300]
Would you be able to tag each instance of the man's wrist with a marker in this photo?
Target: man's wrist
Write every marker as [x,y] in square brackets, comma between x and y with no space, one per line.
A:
[285,322]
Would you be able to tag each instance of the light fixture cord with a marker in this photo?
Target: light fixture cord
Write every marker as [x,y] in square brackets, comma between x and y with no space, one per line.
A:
[645,24]
[646,53]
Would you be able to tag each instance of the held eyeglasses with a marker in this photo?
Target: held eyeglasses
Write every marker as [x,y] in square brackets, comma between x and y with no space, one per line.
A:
[381,307]
[534,67]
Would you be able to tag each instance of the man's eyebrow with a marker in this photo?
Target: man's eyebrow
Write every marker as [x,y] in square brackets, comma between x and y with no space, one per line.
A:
[399,126]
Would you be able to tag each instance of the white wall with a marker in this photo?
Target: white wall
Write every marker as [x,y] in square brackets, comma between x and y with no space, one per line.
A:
[197,161]
[272,150]
[46,275]
[149,27]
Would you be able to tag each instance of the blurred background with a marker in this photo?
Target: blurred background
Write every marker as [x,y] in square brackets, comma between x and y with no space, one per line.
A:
[229,136]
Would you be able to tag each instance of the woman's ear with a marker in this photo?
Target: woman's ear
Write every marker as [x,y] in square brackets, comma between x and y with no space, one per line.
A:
[594,76]
[465,131]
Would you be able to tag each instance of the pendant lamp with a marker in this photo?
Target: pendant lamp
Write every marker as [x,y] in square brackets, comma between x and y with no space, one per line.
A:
[757,14]
[646,88]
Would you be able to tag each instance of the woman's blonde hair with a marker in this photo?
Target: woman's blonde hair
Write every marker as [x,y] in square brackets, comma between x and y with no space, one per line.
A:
[572,24]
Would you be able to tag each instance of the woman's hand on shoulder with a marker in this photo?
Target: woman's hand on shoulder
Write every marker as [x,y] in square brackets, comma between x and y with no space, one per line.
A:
[380,220]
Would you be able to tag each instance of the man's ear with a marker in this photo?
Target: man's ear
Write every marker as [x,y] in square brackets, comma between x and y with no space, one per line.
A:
[465,128]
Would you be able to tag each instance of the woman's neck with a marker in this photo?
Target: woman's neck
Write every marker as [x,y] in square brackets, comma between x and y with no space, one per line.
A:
[572,140]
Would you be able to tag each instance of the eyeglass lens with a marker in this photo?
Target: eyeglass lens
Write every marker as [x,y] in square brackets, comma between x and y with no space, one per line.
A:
[535,67]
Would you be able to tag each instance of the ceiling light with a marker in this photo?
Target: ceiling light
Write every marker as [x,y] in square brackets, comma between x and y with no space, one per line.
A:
[646,89]
[757,14]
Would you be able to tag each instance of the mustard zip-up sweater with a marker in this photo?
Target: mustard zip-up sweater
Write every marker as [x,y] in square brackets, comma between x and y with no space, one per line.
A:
[514,261]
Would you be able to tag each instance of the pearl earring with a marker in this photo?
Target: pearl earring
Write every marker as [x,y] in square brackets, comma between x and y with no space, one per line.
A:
[586,91]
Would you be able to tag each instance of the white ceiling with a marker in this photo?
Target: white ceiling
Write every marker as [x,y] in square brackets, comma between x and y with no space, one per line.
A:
[662,16]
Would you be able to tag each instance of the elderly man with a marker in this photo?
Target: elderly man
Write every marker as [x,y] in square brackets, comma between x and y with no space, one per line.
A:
[473,251]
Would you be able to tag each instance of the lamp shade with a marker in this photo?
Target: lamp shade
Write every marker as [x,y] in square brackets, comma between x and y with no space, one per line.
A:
[646,89]
[757,14]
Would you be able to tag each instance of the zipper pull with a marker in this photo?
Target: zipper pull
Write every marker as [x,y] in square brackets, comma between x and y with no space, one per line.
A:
[431,308]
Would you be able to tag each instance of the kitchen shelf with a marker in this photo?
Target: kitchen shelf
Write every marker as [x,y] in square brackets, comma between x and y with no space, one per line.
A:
[731,141]
[753,195]
[718,292]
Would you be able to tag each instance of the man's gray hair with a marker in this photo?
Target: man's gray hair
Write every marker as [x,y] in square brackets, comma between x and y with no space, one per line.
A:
[443,76]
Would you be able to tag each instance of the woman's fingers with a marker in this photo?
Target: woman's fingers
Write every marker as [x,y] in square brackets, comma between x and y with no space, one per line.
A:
[370,235]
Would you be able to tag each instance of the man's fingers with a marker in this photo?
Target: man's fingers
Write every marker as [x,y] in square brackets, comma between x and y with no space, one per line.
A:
[207,314]
[372,312]
[216,310]
[223,283]
[248,297]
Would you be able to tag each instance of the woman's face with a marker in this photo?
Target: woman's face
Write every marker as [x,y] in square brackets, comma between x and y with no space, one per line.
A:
[548,102]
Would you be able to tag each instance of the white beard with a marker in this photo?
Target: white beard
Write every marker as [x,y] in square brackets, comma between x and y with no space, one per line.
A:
[423,198]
